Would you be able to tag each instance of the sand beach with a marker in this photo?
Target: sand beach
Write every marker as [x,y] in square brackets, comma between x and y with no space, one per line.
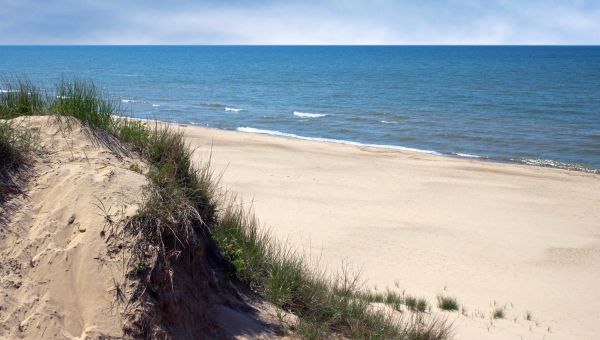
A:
[521,238]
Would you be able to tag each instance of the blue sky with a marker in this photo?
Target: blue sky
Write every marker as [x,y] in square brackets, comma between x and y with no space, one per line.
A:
[299,22]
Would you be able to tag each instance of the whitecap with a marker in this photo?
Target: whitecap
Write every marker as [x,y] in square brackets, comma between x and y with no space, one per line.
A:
[233,109]
[308,114]
[128,101]
[155,105]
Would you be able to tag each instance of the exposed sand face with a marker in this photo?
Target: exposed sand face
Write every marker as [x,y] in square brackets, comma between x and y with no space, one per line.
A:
[58,279]
[493,235]
[59,271]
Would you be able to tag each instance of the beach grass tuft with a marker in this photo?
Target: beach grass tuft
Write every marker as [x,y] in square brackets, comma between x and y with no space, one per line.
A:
[84,101]
[447,303]
[498,313]
[19,97]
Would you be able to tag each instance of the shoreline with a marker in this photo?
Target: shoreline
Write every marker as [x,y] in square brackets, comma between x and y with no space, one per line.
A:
[530,162]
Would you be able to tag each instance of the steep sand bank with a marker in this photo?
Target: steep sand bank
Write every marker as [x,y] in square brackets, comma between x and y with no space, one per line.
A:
[522,238]
[63,268]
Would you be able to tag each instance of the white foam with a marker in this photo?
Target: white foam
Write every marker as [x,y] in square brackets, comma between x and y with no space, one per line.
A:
[128,100]
[7,91]
[467,155]
[308,114]
[329,140]
[155,105]
[233,109]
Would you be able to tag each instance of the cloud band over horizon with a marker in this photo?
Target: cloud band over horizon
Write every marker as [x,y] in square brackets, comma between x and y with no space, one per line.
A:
[297,22]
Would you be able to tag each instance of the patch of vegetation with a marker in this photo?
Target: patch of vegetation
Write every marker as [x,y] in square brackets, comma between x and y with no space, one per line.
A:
[136,168]
[528,316]
[16,145]
[498,313]
[415,304]
[447,303]
[19,97]
[84,101]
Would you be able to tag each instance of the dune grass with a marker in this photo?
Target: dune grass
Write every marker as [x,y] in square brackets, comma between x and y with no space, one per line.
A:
[19,97]
[498,313]
[84,101]
[447,303]
[16,145]
[182,210]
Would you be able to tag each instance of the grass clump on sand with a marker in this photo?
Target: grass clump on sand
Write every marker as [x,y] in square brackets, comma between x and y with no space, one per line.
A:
[84,101]
[447,303]
[415,304]
[19,97]
[498,313]
[395,300]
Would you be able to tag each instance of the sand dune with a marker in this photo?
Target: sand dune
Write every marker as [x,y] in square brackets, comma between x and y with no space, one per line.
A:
[520,238]
[63,274]
[59,278]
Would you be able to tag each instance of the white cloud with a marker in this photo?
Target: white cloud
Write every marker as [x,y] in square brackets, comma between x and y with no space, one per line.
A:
[303,22]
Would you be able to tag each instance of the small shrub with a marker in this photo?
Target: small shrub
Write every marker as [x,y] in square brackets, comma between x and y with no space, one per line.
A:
[528,316]
[498,313]
[447,303]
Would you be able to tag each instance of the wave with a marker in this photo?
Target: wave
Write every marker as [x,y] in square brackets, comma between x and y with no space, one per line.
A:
[555,164]
[330,140]
[155,105]
[128,101]
[233,109]
[309,115]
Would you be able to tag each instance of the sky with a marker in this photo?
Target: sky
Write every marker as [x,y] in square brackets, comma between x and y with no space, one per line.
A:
[300,22]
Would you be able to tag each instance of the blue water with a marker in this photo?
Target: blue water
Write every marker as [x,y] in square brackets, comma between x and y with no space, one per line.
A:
[538,105]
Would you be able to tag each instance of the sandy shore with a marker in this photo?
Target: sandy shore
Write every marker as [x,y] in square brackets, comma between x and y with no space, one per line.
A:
[522,238]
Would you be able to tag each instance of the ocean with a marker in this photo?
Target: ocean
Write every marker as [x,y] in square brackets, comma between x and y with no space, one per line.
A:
[534,105]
